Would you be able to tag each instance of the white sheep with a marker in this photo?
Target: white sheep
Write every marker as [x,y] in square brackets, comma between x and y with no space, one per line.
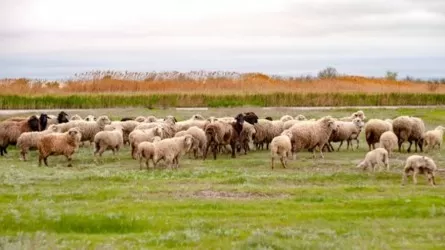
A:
[374,128]
[76,117]
[419,165]
[59,144]
[433,138]
[29,140]
[141,135]
[87,129]
[300,117]
[127,127]
[199,139]
[281,146]
[411,129]
[286,118]
[359,114]
[146,150]
[388,141]
[346,131]
[112,140]
[195,120]
[171,149]
[374,158]
[308,135]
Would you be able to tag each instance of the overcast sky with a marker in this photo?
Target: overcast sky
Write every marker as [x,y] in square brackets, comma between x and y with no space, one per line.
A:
[55,38]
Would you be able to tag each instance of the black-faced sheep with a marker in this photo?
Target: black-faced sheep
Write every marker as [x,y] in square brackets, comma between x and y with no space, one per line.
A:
[10,131]
[59,144]
[250,117]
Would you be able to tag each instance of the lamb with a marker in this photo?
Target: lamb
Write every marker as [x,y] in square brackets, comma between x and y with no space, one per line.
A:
[359,114]
[87,129]
[388,141]
[112,140]
[10,131]
[411,129]
[374,128]
[281,146]
[199,139]
[346,131]
[29,140]
[59,144]
[140,135]
[419,165]
[374,158]
[221,134]
[171,149]
[310,135]
[433,138]
[146,150]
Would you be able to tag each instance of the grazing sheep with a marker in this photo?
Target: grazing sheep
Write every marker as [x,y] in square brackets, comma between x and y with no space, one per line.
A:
[433,138]
[346,131]
[359,114]
[87,129]
[199,139]
[374,128]
[308,135]
[146,150]
[76,117]
[419,165]
[59,144]
[281,146]
[140,135]
[29,140]
[112,140]
[222,133]
[411,129]
[171,149]
[10,131]
[374,158]
[388,141]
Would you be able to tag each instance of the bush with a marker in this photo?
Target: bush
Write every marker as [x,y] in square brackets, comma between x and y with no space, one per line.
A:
[328,73]
[390,75]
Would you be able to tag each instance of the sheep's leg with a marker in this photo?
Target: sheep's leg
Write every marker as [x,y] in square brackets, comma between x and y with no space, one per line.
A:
[341,143]
[416,171]
[358,142]
[23,153]
[272,162]
[431,179]
[321,152]
[147,163]
[420,146]
[140,161]
[400,145]
[215,151]
[283,161]
[45,160]
[409,148]
[40,160]
[233,146]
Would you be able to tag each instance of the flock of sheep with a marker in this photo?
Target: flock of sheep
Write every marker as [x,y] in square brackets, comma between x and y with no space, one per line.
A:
[167,139]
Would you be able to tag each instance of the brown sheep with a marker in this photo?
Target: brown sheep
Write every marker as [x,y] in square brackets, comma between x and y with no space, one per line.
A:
[59,144]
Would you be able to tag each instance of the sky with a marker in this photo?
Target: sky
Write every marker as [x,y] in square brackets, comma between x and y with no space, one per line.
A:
[55,39]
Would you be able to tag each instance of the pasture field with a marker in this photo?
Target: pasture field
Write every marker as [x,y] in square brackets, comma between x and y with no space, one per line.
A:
[224,204]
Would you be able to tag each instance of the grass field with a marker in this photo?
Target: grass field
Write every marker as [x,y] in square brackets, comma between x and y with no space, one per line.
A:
[223,204]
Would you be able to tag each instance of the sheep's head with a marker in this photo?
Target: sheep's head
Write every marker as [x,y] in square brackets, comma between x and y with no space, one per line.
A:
[359,114]
[358,123]
[288,133]
[251,117]
[33,123]
[188,142]
[361,164]
[300,118]
[440,128]
[170,119]
[198,117]
[286,118]
[159,131]
[75,118]
[90,118]
[75,134]
[103,120]
[212,119]
[269,118]
[140,119]
[43,121]
[150,119]
[62,117]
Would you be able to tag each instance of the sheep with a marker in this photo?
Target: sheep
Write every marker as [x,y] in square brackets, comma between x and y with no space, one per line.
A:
[127,127]
[76,117]
[290,123]
[59,144]
[411,129]
[151,119]
[29,140]
[310,135]
[388,141]
[262,135]
[194,121]
[281,146]
[250,117]
[246,137]
[359,114]
[346,131]
[286,118]
[433,138]
[62,117]
[374,128]
[141,135]
[419,165]
[140,119]
[171,149]
[113,140]
[221,134]
[374,158]
[10,131]
[274,128]
[300,118]
[146,150]
[90,118]
[199,139]
[87,129]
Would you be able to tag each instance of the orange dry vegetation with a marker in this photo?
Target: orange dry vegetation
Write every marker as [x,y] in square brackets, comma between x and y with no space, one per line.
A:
[249,83]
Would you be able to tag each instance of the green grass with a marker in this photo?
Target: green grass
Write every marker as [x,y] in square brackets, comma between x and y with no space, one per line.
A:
[205,100]
[223,204]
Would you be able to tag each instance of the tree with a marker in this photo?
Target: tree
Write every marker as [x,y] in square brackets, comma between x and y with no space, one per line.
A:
[328,73]
[390,75]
